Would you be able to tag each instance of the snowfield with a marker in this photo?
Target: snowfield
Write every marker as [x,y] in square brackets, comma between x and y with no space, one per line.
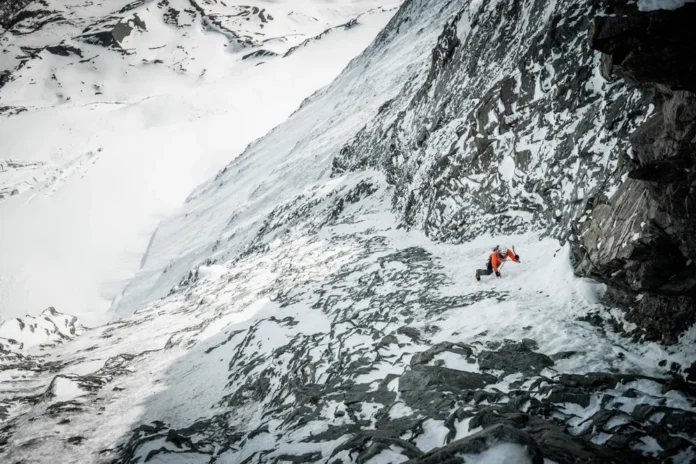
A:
[284,310]
[334,293]
[113,142]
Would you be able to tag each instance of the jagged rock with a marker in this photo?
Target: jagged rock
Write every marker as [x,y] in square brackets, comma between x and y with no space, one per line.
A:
[563,355]
[22,21]
[653,47]
[259,54]
[9,9]
[389,340]
[113,35]
[479,442]
[410,332]
[428,355]
[555,443]
[691,372]
[64,50]
[5,77]
[641,242]
[424,387]
[454,158]
[595,380]
[368,444]
[515,357]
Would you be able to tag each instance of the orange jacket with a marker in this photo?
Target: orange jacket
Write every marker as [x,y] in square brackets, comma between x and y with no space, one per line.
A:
[497,259]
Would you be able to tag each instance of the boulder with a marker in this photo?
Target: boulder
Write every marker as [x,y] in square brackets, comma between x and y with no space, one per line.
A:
[515,357]
[429,387]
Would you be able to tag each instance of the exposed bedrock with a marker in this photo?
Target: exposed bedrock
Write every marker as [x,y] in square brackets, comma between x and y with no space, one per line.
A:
[641,242]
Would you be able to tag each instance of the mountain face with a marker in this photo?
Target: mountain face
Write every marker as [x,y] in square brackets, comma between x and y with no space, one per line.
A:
[113,111]
[513,142]
[647,226]
[315,301]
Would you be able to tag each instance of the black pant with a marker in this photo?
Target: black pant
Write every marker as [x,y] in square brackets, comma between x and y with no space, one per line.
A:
[488,270]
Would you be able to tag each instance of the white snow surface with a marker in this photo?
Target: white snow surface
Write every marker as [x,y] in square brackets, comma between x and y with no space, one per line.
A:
[112,143]
[651,5]
[182,343]
[502,453]
[294,157]
[49,327]
[275,266]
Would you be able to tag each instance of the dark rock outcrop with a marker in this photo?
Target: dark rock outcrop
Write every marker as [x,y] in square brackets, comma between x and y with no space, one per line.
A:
[8,10]
[112,35]
[515,357]
[553,441]
[480,442]
[259,54]
[526,139]
[641,242]
[425,386]
[64,50]
[428,355]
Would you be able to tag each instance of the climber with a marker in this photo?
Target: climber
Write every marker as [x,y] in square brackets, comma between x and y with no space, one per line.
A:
[500,255]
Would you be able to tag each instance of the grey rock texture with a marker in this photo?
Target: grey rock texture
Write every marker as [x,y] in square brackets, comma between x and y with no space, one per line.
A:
[8,10]
[641,241]
[514,141]
[506,129]
[515,357]
[112,35]
[455,452]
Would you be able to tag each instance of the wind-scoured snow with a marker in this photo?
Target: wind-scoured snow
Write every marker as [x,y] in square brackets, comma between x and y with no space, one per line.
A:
[651,5]
[314,306]
[114,139]
[287,313]
[504,453]
[293,157]
[48,327]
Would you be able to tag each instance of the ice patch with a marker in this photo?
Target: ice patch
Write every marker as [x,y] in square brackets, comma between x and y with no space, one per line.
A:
[400,410]
[648,445]
[433,436]
[506,168]
[455,361]
[651,5]
[65,389]
[503,453]
[591,290]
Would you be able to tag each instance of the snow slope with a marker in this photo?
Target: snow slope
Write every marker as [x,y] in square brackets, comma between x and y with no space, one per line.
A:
[316,336]
[286,314]
[292,158]
[114,139]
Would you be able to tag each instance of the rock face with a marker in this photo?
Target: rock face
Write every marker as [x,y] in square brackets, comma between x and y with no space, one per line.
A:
[641,241]
[112,34]
[8,10]
[535,139]
[524,135]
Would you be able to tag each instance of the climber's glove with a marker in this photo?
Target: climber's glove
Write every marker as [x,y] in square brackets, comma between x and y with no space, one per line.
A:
[517,257]
[497,274]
